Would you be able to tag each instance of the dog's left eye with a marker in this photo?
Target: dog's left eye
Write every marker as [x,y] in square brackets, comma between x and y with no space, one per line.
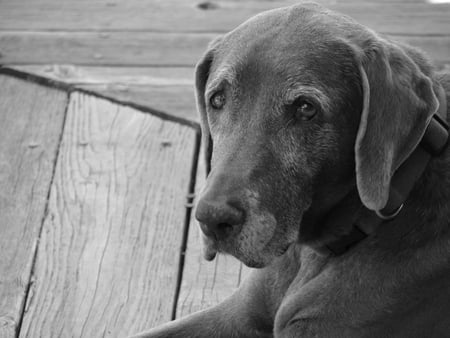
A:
[217,101]
[304,109]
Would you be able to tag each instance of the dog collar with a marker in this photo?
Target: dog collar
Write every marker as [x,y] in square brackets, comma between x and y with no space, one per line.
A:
[365,222]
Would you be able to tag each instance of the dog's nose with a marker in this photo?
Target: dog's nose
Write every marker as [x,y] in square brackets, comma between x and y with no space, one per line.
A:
[218,218]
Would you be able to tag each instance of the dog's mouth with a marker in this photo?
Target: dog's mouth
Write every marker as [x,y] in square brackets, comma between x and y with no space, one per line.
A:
[210,252]
[250,256]
[256,242]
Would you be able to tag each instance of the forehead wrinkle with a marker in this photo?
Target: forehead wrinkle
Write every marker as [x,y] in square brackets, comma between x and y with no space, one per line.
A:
[308,91]
[225,74]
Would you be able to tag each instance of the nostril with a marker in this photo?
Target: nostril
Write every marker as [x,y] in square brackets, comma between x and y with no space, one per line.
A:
[217,231]
[223,230]
[218,219]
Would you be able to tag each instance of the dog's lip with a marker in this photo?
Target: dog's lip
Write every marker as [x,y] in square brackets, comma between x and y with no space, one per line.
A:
[209,248]
[209,253]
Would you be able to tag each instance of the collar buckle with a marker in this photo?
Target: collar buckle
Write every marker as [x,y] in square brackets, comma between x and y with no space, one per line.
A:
[391,215]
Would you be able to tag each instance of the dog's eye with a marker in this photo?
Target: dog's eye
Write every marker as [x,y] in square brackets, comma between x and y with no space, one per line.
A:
[304,110]
[217,100]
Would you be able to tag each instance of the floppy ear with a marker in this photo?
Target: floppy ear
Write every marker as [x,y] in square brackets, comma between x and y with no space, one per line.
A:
[398,103]
[201,77]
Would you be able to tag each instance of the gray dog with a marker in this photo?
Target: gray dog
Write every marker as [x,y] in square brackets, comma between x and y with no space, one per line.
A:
[328,171]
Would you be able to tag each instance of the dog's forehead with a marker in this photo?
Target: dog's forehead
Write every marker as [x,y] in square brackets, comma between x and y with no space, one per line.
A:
[302,39]
[285,28]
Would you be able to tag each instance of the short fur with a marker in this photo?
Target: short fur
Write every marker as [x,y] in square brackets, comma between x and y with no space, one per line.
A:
[274,176]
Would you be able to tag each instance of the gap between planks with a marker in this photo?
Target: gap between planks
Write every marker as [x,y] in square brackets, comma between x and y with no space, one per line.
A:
[205,284]
[187,221]
[32,122]
[33,264]
[172,103]
[35,324]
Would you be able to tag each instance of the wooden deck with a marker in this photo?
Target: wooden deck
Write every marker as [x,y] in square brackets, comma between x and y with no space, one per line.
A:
[99,156]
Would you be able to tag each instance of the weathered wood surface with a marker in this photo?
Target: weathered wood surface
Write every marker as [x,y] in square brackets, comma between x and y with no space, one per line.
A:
[205,284]
[108,257]
[220,16]
[144,48]
[118,76]
[113,49]
[160,90]
[109,252]
[31,121]
[173,102]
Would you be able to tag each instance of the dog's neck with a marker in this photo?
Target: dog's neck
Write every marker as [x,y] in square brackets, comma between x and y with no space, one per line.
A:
[431,194]
[427,211]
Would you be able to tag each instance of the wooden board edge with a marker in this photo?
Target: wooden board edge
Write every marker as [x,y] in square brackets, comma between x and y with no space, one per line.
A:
[104,94]
[187,221]
[41,80]
[15,324]
[97,92]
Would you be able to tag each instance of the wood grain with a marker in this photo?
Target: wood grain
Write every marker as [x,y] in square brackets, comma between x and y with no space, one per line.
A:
[115,49]
[31,122]
[168,91]
[187,16]
[142,49]
[205,283]
[108,258]
[173,102]
[117,76]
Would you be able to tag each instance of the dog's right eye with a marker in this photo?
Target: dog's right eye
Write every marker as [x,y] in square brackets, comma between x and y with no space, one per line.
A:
[304,109]
[217,100]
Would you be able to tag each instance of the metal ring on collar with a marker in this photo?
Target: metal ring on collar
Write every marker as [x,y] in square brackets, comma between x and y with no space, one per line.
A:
[391,216]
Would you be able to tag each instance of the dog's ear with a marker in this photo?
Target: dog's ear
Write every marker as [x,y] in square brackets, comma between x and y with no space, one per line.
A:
[398,103]
[201,77]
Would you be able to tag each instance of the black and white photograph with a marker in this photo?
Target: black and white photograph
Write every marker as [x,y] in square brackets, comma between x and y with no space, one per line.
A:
[224,169]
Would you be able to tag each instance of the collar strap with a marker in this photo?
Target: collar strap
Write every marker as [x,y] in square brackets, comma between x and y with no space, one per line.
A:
[365,221]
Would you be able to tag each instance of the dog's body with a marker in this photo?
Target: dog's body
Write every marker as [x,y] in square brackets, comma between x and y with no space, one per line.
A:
[291,103]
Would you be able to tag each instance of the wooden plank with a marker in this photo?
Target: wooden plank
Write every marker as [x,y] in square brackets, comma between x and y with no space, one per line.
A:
[169,91]
[141,48]
[91,75]
[205,283]
[437,48]
[172,102]
[108,257]
[118,48]
[31,122]
[188,16]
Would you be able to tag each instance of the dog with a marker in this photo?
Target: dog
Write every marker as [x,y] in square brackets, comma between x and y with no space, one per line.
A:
[329,171]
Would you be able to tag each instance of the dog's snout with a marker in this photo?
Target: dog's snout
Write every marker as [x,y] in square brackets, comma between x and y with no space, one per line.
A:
[218,217]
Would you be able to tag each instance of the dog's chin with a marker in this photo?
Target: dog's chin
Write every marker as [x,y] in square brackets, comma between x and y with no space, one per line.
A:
[251,263]
[261,260]
[251,259]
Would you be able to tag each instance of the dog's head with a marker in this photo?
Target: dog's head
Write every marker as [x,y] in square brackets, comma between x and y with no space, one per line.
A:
[298,107]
